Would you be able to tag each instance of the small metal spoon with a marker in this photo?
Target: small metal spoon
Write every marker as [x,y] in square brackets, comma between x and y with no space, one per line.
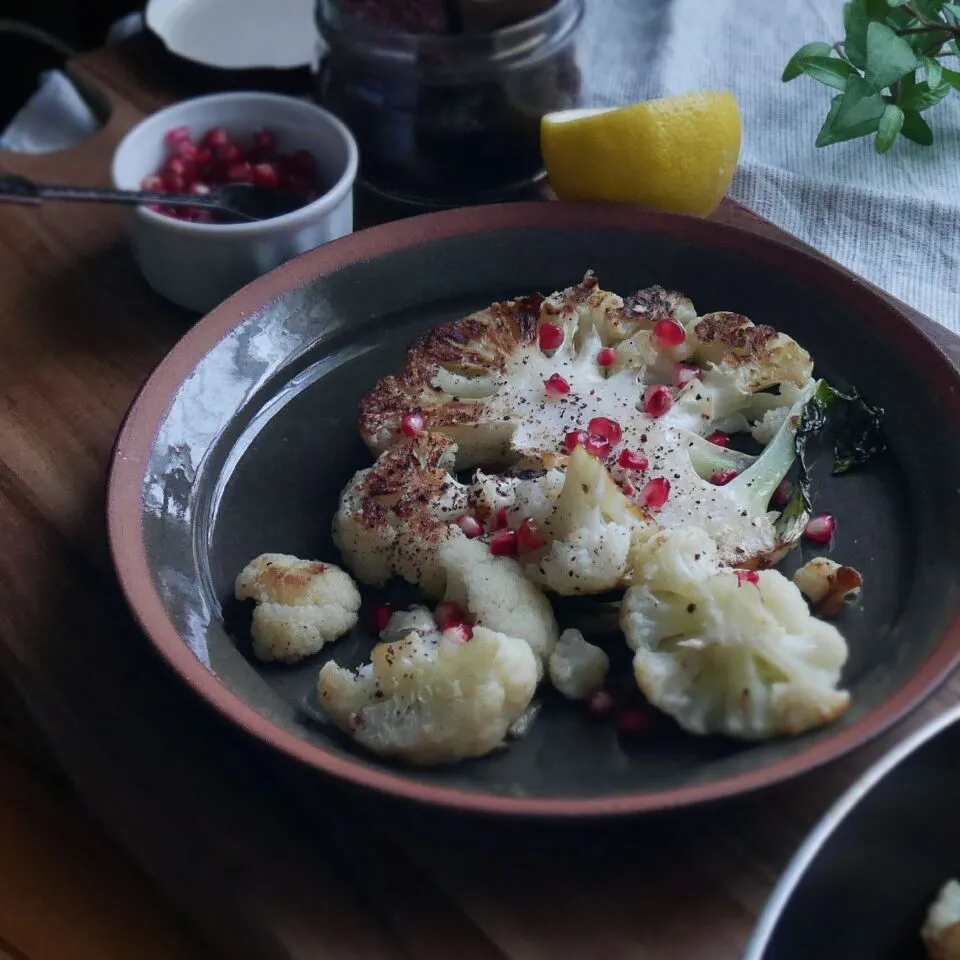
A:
[237,202]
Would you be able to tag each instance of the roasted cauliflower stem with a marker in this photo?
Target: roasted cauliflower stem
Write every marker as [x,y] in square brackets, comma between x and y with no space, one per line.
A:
[941,930]
[429,700]
[393,516]
[494,593]
[730,652]
[301,605]
[484,382]
[577,668]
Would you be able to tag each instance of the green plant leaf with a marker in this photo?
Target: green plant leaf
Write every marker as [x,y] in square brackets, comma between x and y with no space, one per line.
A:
[952,77]
[923,96]
[953,10]
[832,71]
[817,49]
[889,128]
[932,71]
[889,57]
[896,3]
[854,113]
[929,8]
[855,23]
[917,129]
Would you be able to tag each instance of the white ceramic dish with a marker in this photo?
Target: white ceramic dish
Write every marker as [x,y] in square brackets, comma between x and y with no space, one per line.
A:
[197,265]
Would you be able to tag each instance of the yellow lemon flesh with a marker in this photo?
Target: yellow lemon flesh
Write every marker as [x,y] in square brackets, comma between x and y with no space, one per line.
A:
[677,153]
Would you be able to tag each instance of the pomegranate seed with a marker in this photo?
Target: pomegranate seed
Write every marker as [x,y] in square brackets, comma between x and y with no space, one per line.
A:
[240,172]
[820,529]
[747,576]
[177,135]
[597,446]
[556,386]
[500,519]
[605,427]
[291,183]
[628,489]
[172,183]
[449,614]
[382,613]
[203,158]
[302,164]
[176,166]
[549,336]
[459,633]
[683,373]
[634,721]
[719,438]
[504,543]
[575,439]
[215,137]
[153,182]
[529,537]
[781,496]
[266,175]
[722,477]
[658,400]
[600,703]
[607,357]
[669,333]
[470,526]
[199,189]
[654,493]
[411,424]
[630,460]
[265,140]
[186,150]
[227,153]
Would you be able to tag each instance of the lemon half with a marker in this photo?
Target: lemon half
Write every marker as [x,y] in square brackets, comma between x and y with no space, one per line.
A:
[677,153]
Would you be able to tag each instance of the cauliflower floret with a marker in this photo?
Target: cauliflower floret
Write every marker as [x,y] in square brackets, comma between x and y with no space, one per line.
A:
[941,930]
[432,700]
[301,605]
[418,619]
[589,533]
[527,492]
[828,585]
[393,517]
[728,651]
[577,668]
[495,594]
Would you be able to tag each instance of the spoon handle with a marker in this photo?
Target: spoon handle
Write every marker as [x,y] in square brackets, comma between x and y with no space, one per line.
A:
[17,189]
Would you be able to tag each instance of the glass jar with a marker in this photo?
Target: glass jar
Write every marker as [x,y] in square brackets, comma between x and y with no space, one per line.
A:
[452,119]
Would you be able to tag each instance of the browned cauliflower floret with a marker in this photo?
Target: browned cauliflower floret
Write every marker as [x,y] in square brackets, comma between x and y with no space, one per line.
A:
[577,668]
[394,516]
[301,605]
[432,699]
[828,585]
[941,930]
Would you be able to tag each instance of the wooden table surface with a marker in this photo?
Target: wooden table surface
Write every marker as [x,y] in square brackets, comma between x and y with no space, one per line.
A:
[249,855]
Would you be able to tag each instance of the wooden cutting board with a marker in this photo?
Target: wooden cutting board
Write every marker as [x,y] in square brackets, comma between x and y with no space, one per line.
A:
[264,858]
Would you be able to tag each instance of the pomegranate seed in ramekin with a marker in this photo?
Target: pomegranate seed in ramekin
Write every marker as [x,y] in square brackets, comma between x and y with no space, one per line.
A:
[529,537]
[657,400]
[549,336]
[153,182]
[654,493]
[449,613]
[177,135]
[605,427]
[607,357]
[719,438]
[669,333]
[382,613]
[302,164]
[631,460]
[575,438]
[240,172]
[265,175]
[555,386]
[215,137]
[504,543]
[265,140]
[470,526]
[412,424]
[747,576]
[683,373]
[820,529]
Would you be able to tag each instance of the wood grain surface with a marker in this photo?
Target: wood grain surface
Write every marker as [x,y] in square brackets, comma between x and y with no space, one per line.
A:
[263,858]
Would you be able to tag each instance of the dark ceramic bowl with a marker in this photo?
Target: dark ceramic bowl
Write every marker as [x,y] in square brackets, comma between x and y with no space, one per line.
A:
[861,883]
[242,439]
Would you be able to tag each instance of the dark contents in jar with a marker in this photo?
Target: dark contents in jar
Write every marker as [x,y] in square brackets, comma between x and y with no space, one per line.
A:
[199,166]
[446,128]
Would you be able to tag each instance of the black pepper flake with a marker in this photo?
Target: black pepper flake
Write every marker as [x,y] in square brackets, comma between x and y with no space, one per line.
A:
[691,607]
